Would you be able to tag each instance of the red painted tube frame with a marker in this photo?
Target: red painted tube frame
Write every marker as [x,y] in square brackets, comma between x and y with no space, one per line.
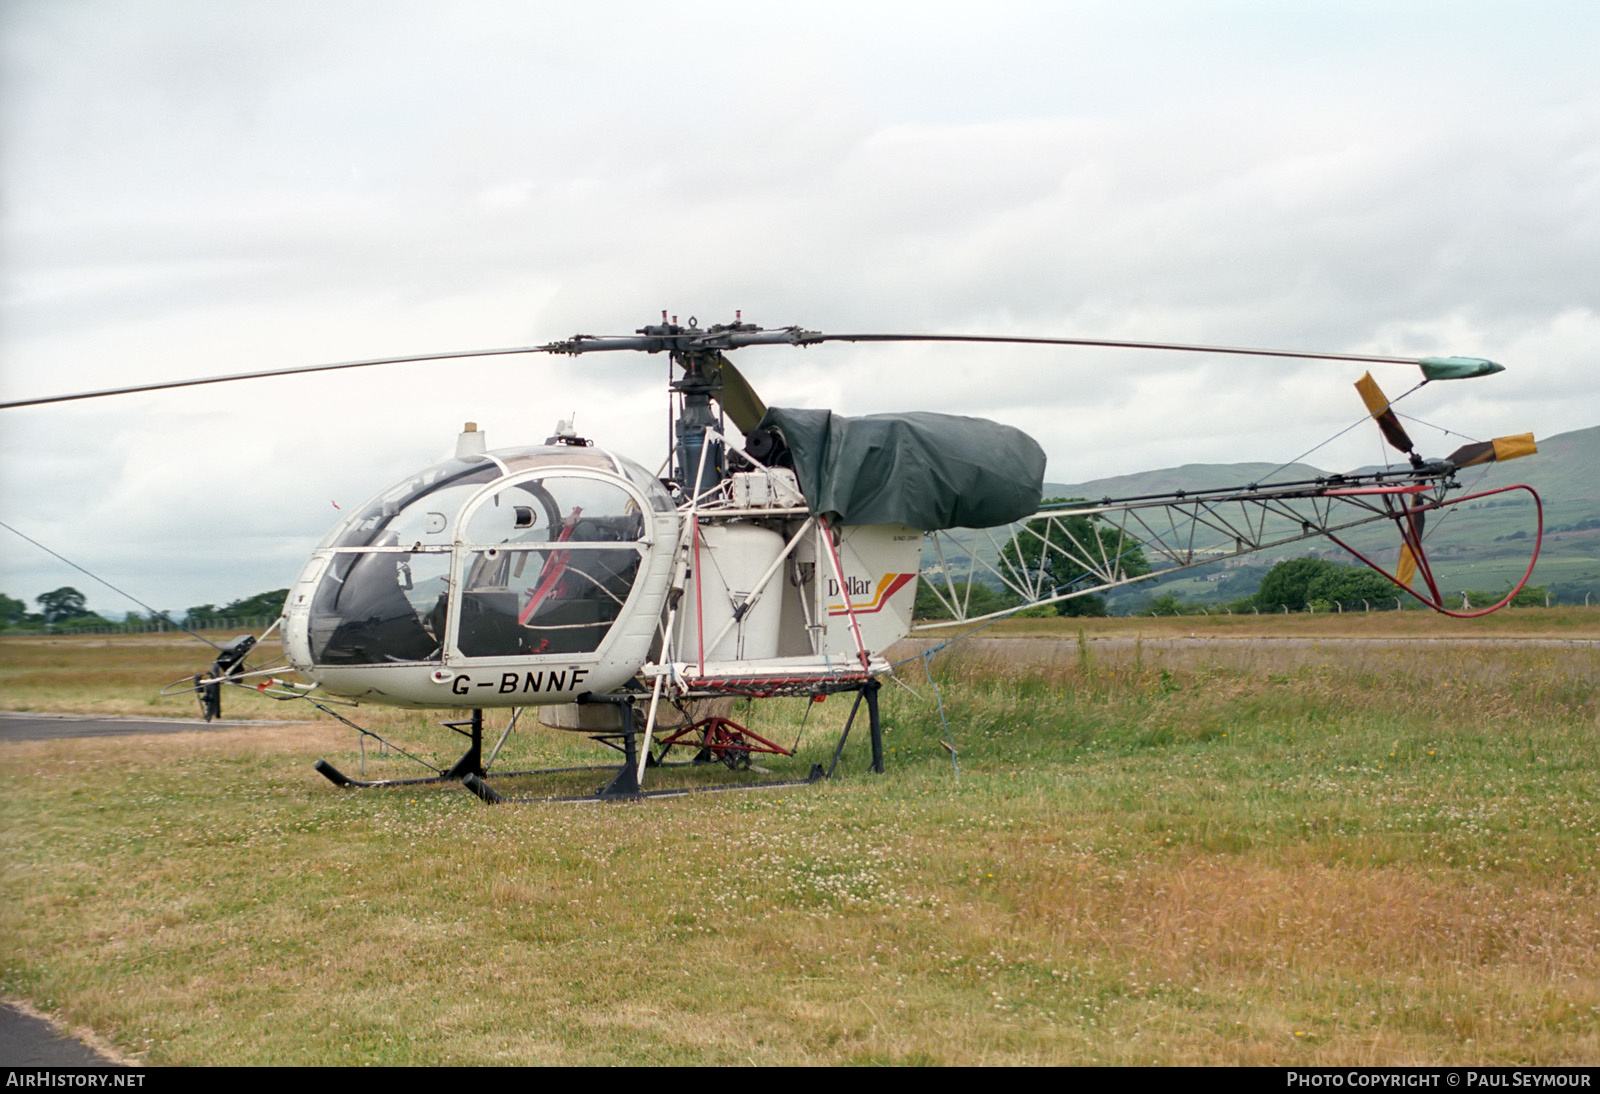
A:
[1404,520]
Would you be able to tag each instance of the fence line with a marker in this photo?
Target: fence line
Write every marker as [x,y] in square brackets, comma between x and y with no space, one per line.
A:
[251,623]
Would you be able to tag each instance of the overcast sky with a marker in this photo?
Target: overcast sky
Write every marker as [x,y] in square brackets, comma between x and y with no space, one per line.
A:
[193,188]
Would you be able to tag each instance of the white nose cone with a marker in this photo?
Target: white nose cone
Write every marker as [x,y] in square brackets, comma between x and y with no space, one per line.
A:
[470,442]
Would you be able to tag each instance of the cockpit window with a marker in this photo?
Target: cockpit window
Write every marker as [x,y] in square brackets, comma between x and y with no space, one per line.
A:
[557,509]
[660,500]
[376,607]
[420,510]
[557,600]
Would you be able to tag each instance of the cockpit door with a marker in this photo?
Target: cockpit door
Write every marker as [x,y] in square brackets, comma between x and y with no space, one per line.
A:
[546,565]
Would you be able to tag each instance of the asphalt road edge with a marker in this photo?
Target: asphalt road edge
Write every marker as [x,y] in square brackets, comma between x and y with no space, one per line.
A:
[82,1035]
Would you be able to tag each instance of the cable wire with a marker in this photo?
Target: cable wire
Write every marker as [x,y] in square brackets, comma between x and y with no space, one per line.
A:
[113,588]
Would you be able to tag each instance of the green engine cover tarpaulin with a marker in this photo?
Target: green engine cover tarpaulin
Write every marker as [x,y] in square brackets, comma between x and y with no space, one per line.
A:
[929,471]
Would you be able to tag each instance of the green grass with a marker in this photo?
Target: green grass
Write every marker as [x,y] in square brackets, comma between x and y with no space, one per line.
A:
[1156,851]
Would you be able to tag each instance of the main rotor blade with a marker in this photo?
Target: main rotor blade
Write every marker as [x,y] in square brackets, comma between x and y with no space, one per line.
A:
[269,372]
[1434,368]
[691,340]
[739,400]
[675,339]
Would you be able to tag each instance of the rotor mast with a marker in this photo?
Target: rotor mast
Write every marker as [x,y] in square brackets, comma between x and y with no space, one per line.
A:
[699,463]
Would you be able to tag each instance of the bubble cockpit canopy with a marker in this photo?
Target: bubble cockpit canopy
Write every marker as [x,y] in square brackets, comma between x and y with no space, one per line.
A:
[513,553]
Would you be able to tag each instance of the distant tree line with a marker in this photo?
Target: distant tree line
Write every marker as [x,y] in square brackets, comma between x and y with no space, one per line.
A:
[58,607]
[251,607]
[66,610]
[1293,585]
[1321,585]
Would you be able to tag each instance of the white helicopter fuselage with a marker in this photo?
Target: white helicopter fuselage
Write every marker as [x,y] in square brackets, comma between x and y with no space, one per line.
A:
[540,576]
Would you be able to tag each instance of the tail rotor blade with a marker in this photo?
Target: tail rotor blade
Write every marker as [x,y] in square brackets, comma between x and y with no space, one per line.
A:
[1406,572]
[1501,448]
[1382,413]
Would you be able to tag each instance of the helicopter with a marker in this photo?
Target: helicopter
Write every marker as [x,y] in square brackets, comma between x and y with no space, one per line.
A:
[778,555]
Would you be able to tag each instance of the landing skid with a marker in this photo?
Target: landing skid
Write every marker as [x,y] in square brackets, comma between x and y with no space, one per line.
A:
[339,778]
[624,782]
[609,793]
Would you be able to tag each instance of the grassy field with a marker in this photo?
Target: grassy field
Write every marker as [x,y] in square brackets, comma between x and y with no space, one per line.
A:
[1158,849]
